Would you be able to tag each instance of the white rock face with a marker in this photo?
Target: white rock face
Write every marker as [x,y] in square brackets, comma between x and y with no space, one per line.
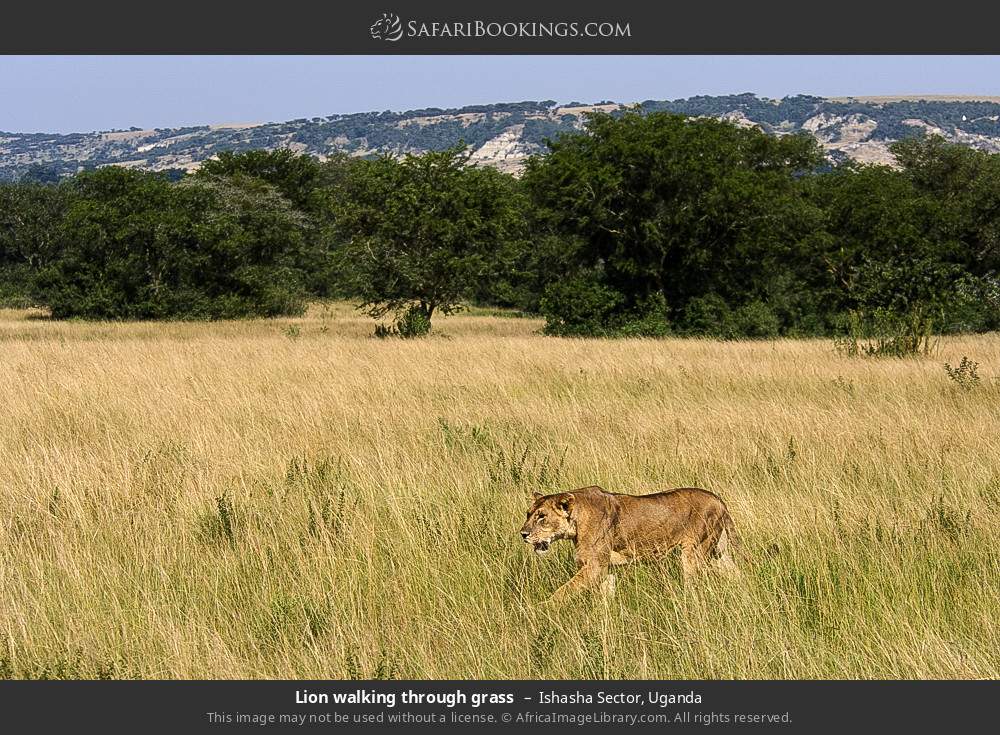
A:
[925,126]
[505,152]
[847,129]
[849,135]
[738,117]
[857,128]
[870,151]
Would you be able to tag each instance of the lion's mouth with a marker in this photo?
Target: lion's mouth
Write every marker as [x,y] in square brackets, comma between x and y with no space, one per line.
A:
[540,547]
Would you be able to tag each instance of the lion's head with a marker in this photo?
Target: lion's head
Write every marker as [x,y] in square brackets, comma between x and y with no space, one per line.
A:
[549,519]
[387,28]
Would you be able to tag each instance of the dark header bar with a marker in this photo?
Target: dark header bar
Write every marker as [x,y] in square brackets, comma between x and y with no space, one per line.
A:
[513,27]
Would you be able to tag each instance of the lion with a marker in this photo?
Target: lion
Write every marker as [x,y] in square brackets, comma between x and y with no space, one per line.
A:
[609,529]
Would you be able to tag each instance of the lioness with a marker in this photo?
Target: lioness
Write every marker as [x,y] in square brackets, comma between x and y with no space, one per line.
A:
[612,528]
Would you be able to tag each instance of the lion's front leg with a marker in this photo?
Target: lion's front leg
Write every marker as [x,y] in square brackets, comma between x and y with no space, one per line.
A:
[588,576]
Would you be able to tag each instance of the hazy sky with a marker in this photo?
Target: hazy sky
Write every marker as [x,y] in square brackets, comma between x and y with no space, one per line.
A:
[84,93]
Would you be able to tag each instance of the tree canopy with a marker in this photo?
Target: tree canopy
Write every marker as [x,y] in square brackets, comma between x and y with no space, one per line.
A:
[132,245]
[420,233]
[669,210]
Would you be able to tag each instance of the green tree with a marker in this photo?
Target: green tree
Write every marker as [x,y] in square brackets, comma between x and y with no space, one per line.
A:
[670,209]
[887,246]
[308,185]
[29,216]
[40,173]
[295,176]
[962,185]
[131,245]
[422,233]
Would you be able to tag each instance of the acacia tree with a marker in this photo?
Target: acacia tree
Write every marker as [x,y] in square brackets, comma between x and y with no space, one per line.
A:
[423,232]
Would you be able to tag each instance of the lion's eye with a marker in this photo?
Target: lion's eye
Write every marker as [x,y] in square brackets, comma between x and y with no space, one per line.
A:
[541,516]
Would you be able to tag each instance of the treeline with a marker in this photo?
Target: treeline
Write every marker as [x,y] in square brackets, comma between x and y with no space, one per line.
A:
[647,224]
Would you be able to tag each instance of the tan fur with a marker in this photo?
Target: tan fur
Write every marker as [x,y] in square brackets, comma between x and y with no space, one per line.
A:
[612,528]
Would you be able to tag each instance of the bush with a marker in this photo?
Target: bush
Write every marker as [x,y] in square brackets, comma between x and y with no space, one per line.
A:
[678,207]
[649,319]
[965,375]
[756,320]
[28,215]
[584,307]
[15,287]
[580,306]
[708,315]
[711,316]
[974,306]
[413,322]
[886,334]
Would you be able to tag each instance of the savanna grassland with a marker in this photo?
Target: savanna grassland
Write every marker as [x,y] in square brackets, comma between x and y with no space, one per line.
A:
[293,498]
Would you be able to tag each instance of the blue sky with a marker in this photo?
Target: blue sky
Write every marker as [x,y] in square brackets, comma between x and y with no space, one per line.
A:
[84,93]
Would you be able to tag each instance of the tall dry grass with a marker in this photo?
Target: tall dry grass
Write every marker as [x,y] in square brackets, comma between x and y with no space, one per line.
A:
[294,499]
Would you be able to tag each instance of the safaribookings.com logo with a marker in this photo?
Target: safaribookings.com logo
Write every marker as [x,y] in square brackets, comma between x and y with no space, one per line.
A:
[387,28]
[390,28]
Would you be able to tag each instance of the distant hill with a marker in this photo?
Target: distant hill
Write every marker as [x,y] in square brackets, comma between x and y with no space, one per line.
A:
[504,134]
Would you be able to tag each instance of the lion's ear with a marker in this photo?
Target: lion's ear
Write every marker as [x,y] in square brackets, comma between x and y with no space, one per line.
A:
[536,495]
[566,503]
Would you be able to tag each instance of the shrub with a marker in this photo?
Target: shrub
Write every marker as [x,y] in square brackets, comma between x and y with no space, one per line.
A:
[648,319]
[756,320]
[711,316]
[886,334]
[707,315]
[965,375]
[584,307]
[675,206]
[412,322]
[580,306]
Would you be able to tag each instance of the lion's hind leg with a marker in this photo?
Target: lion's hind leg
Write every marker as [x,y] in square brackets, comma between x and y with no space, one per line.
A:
[722,554]
[723,550]
[608,588]
[693,558]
